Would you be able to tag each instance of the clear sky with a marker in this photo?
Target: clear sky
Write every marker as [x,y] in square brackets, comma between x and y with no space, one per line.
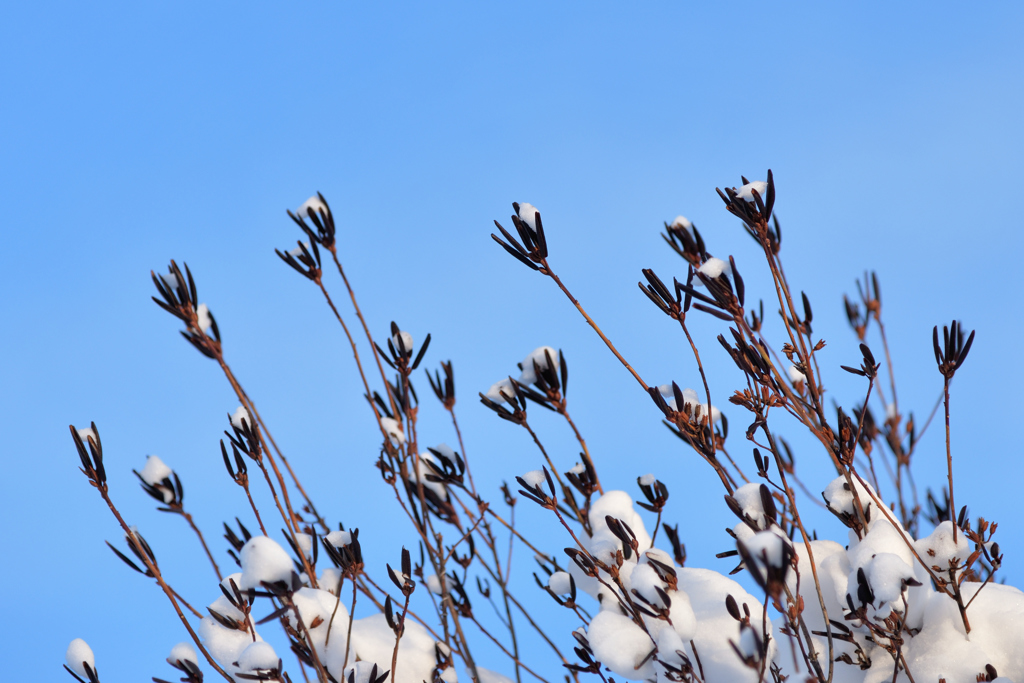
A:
[135,133]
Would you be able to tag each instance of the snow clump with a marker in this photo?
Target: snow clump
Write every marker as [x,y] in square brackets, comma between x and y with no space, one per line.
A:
[683,223]
[393,428]
[746,192]
[314,203]
[540,357]
[155,472]
[182,652]
[406,341]
[263,560]
[258,656]
[713,268]
[498,388]
[240,415]
[691,399]
[204,320]
[560,583]
[528,215]
[78,655]
[536,479]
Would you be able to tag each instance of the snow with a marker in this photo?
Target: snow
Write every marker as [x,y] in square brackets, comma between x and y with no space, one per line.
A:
[840,498]
[713,268]
[393,428]
[450,675]
[182,652]
[361,672]
[79,652]
[305,543]
[746,192]
[617,504]
[748,497]
[339,539]
[749,645]
[795,375]
[85,433]
[620,644]
[886,574]
[434,585]
[258,656]
[224,645]
[421,469]
[496,390]
[374,641]
[536,479]
[578,469]
[297,251]
[707,590]
[647,480]
[155,472]
[691,399]
[488,676]
[225,608]
[766,547]
[645,581]
[329,579]
[559,583]
[239,415]
[313,203]
[682,222]
[528,215]
[406,340]
[170,279]
[939,550]
[263,560]
[317,606]
[204,320]
[540,357]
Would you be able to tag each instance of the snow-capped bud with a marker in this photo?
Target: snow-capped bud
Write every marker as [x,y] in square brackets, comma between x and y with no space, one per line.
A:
[240,415]
[746,192]
[313,204]
[528,215]
[182,652]
[80,658]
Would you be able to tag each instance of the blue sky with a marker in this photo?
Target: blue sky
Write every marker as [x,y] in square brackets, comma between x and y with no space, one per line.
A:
[138,133]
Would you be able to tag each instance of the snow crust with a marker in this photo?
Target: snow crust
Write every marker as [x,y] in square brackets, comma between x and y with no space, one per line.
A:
[78,652]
